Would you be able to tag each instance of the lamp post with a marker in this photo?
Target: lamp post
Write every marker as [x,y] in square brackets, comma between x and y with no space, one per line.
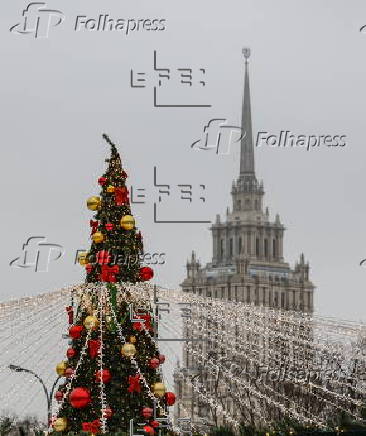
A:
[49,396]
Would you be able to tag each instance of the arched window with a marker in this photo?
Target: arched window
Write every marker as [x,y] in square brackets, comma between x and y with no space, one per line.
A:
[257,247]
[222,248]
[231,247]
[240,243]
[274,248]
[266,248]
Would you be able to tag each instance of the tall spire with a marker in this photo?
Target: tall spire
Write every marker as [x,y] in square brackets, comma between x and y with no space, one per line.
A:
[246,148]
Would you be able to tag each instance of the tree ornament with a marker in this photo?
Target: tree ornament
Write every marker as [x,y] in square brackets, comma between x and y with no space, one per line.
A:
[61,368]
[75,331]
[148,429]
[60,424]
[103,257]
[128,350]
[107,413]
[98,237]
[159,389]
[109,226]
[94,226]
[103,376]
[79,398]
[110,188]
[70,314]
[69,372]
[82,258]
[124,175]
[89,268]
[128,222]
[71,352]
[121,195]
[91,427]
[154,363]
[93,203]
[102,181]
[161,358]
[134,383]
[154,424]
[169,398]
[91,322]
[146,273]
[93,347]
[132,339]
[147,412]
[108,273]
[59,396]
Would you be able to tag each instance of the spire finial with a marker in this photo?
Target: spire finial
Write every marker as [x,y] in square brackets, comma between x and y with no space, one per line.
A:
[246,149]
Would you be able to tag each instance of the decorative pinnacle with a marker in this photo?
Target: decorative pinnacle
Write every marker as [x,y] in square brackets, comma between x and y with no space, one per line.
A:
[246,52]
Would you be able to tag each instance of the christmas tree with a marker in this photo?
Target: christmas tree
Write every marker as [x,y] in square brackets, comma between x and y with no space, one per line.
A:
[112,373]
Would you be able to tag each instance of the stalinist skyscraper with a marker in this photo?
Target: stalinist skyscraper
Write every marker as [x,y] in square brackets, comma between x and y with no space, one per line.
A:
[247,262]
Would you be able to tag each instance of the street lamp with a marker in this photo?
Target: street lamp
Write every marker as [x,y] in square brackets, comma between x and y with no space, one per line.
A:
[49,396]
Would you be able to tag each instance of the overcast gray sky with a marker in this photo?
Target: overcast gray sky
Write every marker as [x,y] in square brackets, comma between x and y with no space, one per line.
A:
[59,94]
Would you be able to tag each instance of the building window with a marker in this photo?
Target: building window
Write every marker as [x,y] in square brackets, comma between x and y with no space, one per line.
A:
[282,300]
[222,248]
[231,247]
[248,294]
[256,205]
[274,248]
[229,294]
[256,296]
[236,293]
[266,248]
[257,247]
[240,244]
[238,204]
[249,251]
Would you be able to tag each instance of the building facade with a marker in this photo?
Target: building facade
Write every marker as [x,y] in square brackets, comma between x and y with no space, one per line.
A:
[248,263]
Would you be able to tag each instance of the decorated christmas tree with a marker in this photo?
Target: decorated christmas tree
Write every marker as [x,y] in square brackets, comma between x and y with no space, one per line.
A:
[113,380]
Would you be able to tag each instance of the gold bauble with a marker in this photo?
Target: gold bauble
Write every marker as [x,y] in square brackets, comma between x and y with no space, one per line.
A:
[61,367]
[91,322]
[93,203]
[132,339]
[97,237]
[159,389]
[60,424]
[128,222]
[82,258]
[128,350]
[110,188]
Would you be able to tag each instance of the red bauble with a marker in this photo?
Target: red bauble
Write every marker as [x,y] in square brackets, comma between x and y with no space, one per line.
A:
[169,398]
[161,358]
[146,273]
[102,181]
[69,372]
[71,352]
[108,412]
[148,429]
[109,226]
[59,396]
[75,331]
[89,268]
[154,363]
[147,412]
[154,424]
[79,398]
[103,257]
[105,376]
[124,174]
